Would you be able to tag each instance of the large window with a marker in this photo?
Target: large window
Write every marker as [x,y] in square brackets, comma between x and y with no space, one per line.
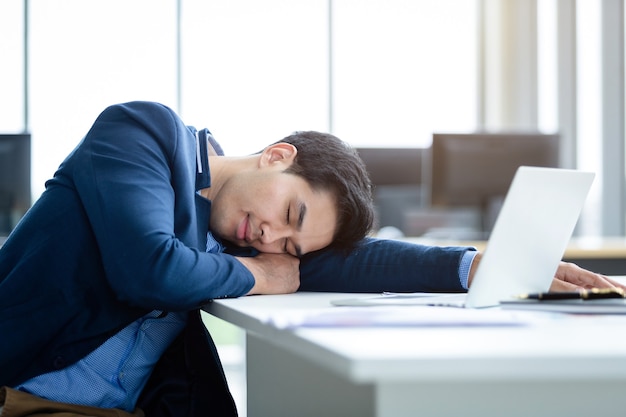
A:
[589,107]
[86,55]
[376,73]
[403,69]
[253,72]
[12,66]
[367,70]
[581,94]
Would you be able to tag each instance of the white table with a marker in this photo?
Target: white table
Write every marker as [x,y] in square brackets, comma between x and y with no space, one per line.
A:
[557,365]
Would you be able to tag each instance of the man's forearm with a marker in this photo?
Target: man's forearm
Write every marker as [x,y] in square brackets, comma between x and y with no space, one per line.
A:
[378,265]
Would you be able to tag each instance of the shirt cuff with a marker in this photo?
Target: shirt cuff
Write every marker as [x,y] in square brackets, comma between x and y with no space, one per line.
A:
[465,266]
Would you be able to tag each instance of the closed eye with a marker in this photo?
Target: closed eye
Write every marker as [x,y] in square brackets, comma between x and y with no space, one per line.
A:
[287,219]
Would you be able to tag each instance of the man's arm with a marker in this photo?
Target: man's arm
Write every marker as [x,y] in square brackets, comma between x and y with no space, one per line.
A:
[377,265]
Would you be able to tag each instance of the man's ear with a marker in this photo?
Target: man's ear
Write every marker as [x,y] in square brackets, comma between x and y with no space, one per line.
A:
[278,153]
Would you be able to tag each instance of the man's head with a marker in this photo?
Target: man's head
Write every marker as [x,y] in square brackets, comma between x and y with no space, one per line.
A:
[329,164]
[301,194]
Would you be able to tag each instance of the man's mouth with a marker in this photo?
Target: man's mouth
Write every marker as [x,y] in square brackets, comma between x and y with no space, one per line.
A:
[242,230]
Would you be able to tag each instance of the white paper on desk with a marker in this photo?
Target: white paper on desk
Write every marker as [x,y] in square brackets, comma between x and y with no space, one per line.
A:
[407,316]
[402,299]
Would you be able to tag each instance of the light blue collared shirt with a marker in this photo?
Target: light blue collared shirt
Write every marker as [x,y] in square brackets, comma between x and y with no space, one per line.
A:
[113,375]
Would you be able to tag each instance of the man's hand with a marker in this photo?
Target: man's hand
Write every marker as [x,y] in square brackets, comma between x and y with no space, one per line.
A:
[571,277]
[273,273]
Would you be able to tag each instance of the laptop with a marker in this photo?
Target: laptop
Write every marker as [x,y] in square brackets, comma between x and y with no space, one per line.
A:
[529,237]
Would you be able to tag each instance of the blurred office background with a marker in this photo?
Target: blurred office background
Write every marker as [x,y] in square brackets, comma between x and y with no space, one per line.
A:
[381,74]
[377,73]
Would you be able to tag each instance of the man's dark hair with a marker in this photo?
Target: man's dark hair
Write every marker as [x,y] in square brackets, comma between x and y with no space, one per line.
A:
[328,163]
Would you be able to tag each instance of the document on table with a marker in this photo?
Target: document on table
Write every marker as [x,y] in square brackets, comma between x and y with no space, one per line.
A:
[406,316]
[400,299]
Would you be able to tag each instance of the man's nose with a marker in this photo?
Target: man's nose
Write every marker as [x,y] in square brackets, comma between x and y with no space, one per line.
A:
[271,234]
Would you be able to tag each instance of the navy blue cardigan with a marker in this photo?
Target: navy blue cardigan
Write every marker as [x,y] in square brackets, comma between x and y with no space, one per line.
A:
[120,231]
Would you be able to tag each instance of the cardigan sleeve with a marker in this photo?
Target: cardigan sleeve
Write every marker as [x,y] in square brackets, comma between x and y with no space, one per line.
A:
[377,265]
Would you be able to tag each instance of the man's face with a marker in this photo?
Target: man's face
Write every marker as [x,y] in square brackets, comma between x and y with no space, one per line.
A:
[274,212]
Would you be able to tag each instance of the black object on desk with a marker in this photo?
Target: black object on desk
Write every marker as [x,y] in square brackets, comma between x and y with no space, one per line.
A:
[592,294]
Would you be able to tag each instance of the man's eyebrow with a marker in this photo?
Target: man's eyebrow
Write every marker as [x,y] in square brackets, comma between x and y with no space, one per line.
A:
[301,214]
